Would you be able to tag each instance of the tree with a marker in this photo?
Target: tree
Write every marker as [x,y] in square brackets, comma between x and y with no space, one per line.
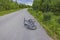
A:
[46,5]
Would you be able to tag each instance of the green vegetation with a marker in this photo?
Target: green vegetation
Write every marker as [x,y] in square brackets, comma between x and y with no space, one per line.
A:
[7,12]
[7,6]
[47,5]
[47,12]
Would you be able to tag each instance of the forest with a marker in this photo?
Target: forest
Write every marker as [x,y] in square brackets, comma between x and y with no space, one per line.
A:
[10,4]
[7,6]
[47,12]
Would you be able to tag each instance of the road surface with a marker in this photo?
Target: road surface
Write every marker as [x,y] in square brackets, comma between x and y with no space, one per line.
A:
[12,27]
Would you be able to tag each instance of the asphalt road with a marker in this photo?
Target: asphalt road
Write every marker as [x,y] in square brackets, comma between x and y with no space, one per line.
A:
[12,27]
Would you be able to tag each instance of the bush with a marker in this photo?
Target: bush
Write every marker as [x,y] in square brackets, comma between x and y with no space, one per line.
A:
[57,13]
[58,20]
[47,17]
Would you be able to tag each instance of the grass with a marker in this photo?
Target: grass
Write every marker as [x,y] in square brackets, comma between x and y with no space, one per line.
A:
[49,21]
[7,12]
